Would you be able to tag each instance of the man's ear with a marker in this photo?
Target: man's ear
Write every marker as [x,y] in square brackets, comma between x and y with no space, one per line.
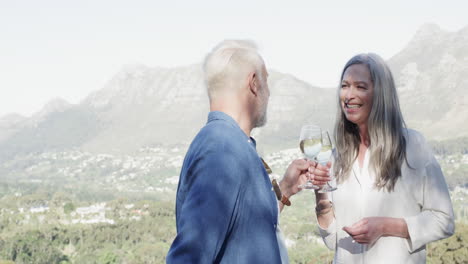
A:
[253,83]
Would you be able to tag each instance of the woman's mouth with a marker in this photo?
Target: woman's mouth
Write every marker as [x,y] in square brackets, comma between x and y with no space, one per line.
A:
[352,106]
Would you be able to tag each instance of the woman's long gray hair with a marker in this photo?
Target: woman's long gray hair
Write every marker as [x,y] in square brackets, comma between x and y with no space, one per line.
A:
[385,126]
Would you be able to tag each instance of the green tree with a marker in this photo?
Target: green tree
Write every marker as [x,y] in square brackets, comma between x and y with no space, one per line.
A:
[33,247]
[108,258]
[68,208]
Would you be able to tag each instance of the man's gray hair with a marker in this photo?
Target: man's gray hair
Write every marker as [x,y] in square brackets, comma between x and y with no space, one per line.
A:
[229,64]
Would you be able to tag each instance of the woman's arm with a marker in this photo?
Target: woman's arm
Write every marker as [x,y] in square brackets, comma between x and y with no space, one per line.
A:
[323,210]
[324,207]
[370,229]
[436,220]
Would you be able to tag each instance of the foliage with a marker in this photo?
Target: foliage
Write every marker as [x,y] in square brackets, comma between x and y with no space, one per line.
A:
[68,208]
[108,258]
[33,247]
[452,146]
[455,174]
[144,221]
[148,239]
[128,241]
[453,250]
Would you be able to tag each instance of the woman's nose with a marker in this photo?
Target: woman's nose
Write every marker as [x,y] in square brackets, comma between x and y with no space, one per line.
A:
[349,94]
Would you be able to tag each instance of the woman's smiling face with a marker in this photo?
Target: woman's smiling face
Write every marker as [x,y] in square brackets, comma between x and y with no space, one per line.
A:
[356,93]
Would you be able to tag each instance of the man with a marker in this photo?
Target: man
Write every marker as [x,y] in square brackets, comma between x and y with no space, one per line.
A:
[226,211]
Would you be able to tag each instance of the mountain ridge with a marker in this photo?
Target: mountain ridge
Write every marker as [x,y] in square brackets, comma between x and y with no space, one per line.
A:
[144,106]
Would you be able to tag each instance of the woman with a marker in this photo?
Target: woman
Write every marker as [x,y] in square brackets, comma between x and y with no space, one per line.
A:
[392,198]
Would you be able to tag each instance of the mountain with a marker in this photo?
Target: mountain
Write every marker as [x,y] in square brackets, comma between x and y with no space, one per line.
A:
[143,106]
[53,106]
[10,124]
[149,106]
[19,134]
[431,73]
[292,103]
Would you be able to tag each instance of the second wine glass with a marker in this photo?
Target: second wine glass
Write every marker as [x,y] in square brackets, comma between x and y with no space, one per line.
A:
[323,158]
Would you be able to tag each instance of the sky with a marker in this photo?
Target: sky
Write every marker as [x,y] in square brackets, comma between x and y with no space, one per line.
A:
[67,49]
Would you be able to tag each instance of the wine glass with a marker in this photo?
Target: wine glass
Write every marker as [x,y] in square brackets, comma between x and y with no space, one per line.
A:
[310,145]
[323,158]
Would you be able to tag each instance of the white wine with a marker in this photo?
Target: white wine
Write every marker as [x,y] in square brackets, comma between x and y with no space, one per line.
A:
[310,144]
[323,157]
[325,153]
[310,147]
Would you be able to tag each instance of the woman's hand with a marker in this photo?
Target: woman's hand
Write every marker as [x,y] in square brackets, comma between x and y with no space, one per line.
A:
[368,230]
[319,174]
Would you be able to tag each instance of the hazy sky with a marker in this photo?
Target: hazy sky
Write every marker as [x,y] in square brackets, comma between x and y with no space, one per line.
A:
[69,48]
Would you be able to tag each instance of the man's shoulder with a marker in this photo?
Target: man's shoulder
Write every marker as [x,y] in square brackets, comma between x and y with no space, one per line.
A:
[219,131]
[218,143]
[218,138]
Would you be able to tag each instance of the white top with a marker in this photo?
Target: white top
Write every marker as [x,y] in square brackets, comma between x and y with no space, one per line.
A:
[420,197]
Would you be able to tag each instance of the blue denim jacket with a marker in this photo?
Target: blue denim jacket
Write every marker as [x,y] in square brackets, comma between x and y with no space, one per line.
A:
[226,211]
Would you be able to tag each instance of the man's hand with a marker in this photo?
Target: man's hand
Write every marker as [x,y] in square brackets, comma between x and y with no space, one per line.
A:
[295,175]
